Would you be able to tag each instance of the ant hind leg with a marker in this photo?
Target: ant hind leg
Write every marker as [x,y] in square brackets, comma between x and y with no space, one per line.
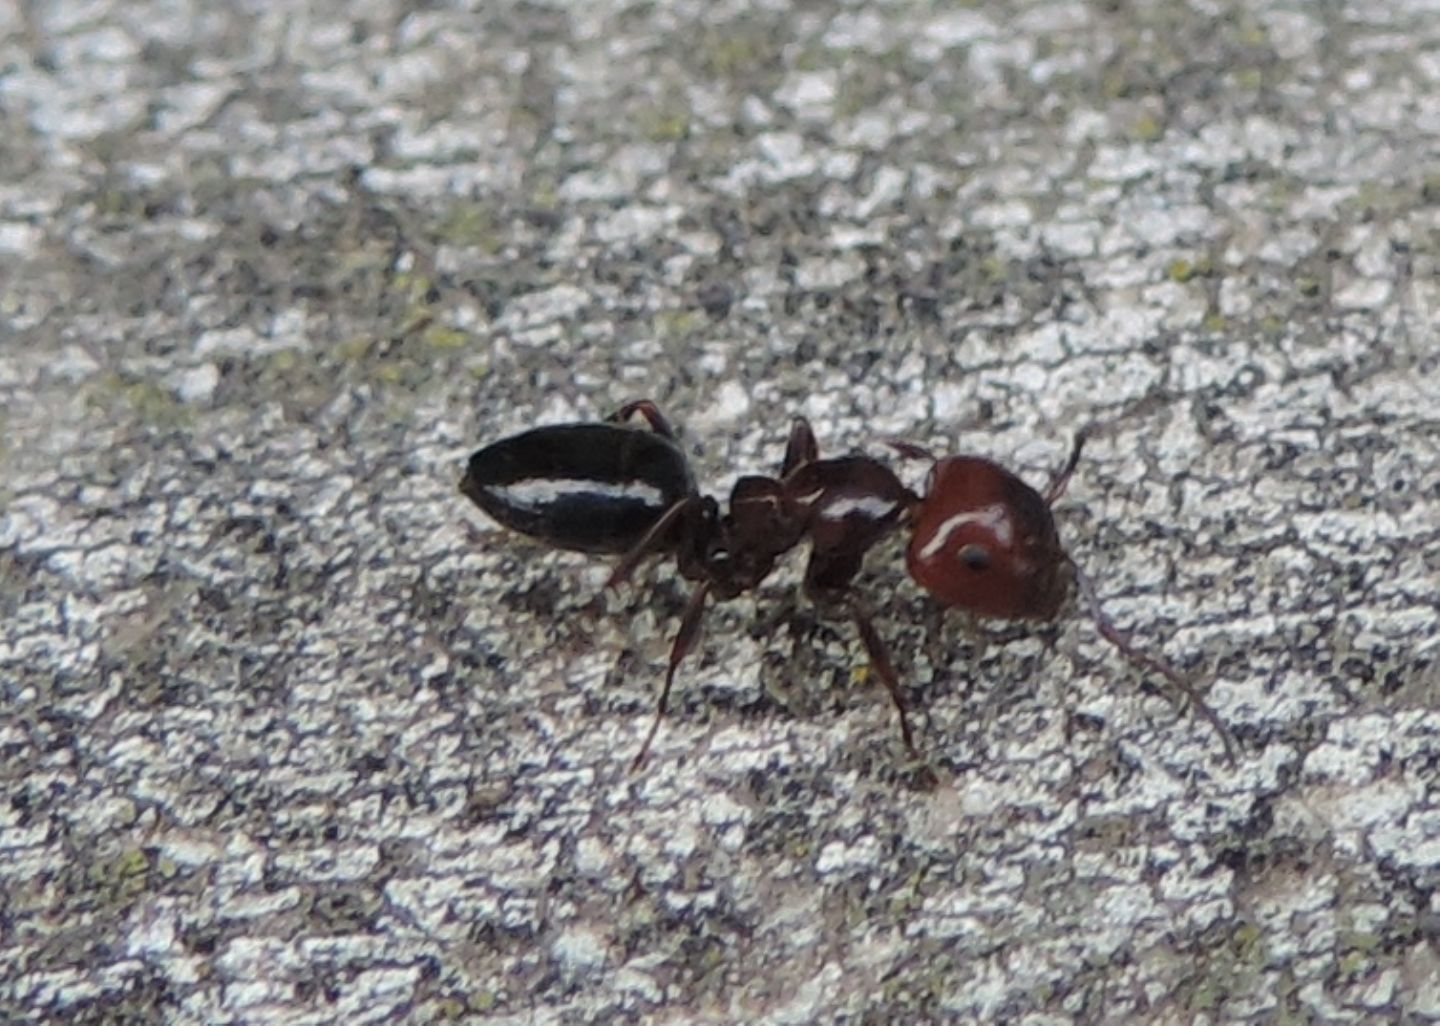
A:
[684,642]
[647,410]
[654,540]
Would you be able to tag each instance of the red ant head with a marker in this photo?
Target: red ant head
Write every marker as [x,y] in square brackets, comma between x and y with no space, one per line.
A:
[985,541]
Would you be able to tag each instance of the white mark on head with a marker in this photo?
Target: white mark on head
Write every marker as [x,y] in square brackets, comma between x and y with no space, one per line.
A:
[991,516]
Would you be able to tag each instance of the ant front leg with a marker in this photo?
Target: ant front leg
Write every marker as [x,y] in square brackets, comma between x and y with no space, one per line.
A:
[649,411]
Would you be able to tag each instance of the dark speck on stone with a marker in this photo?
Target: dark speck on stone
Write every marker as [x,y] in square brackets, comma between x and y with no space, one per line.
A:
[715,299]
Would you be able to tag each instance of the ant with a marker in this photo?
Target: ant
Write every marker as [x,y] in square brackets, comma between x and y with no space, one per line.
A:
[609,488]
[982,540]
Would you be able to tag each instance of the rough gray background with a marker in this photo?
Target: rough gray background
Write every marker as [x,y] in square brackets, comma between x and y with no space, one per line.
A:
[291,735]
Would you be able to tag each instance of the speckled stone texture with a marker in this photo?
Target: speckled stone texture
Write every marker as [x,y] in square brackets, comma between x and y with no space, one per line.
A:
[291,735]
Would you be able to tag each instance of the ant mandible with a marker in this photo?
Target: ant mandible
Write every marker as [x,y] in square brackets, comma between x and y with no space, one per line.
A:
[982,539]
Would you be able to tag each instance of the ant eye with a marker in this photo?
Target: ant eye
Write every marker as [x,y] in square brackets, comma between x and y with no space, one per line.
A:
[976,557]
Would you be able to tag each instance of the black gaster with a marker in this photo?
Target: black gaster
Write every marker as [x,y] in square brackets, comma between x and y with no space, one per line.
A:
[585,487]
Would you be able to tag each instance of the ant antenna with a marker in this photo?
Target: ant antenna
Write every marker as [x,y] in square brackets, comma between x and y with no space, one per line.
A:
[1135,656]
[1061,479]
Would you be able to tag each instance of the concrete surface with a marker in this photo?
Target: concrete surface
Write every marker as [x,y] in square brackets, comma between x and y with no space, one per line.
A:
[291,735]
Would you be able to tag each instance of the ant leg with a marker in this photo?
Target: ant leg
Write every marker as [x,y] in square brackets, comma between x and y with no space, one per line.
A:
[1061,479]
[1136,657]
[801,448]
[909,450]
[648,410]
[879,655]
[685,639]
[652,541]
[838,596]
